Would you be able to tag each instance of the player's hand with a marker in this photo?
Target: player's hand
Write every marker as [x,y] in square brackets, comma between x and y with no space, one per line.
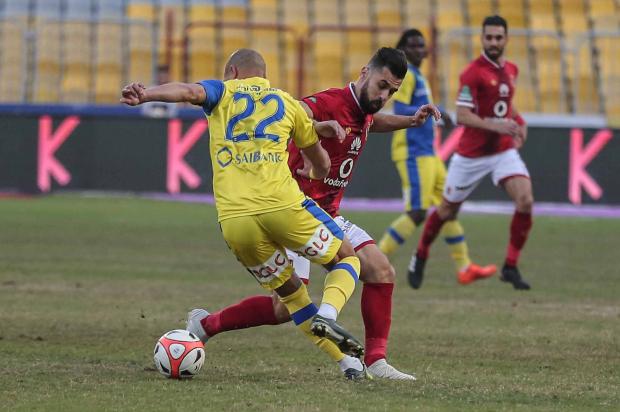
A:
[448,123]
[509,127]
[133,94]
[521,136]
[330,128]
[423,113]
[305,172]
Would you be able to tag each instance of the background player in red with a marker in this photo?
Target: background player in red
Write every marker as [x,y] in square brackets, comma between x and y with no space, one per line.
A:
[494,131]
[354,107]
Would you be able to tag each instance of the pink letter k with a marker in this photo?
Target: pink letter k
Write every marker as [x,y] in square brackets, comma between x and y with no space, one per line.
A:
[48,165]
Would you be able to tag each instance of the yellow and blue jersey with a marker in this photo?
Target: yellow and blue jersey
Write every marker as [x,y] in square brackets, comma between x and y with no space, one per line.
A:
[413,93]
[249,126]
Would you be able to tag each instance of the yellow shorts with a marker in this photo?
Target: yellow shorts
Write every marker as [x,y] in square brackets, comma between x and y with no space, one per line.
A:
[259,241]
[422,180]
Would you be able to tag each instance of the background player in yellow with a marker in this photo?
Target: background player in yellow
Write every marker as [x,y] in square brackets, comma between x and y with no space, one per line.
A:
[260,207]
[421,171]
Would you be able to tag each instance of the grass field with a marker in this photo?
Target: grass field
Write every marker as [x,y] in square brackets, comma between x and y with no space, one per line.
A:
[87,285]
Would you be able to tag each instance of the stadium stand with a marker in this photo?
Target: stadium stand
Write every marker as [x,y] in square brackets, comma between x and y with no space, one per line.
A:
[83,50]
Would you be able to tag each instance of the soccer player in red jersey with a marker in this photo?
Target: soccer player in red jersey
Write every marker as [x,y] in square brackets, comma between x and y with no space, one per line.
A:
[494,131]
[355,107]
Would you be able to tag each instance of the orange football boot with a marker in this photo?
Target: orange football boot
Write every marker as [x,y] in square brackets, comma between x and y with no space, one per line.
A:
[474,272]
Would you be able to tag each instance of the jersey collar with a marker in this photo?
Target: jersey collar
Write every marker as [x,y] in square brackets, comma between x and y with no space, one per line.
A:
[355,97]
[497,66]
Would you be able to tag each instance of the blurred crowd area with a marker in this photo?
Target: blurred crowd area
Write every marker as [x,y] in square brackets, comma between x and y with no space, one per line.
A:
[83,51]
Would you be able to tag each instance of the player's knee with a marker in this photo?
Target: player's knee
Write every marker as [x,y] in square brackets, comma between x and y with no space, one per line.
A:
[385,274]
[280,311]
[379,272]
[346,250]
[448,211]
[417,216]
[525,202]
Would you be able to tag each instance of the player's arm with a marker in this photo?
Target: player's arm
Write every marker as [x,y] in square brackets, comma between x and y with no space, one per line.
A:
[465,116]
[316,159]
[316,162]
[383,122]
[521,136]
[327,128]
[136,93]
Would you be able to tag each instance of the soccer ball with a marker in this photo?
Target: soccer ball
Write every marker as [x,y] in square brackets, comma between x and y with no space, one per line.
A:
[179,354]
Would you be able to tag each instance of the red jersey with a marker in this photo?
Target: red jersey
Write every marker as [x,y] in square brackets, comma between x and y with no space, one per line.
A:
[488,89]
[340,105]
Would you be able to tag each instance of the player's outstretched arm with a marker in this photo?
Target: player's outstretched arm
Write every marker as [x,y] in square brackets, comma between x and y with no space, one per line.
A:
[391,122]
[466,117]
[136,93]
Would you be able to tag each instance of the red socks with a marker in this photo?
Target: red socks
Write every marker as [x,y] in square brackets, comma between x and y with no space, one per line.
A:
[252,311]
[519,229]
[431,230]
[377,314]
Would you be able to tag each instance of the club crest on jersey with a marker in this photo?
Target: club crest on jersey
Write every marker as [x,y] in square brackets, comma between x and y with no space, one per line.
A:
[493,82]
[504,90]
[318,245]
[347,131]
[271,269]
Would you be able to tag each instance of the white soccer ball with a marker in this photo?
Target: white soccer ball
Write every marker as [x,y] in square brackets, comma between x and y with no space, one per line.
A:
[179,354]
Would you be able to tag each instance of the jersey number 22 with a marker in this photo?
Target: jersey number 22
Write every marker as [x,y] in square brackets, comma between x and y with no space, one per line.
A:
[259,130]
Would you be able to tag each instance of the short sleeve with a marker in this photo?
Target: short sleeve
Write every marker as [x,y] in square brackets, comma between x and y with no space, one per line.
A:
[304,134]
[405,91]
[318,107]
[214,90]
[468,92]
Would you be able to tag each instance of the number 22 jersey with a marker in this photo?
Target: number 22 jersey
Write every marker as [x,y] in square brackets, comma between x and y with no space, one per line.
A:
[249,126]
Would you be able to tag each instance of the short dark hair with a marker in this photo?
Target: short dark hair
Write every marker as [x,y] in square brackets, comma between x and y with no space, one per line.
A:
[391,58]
[406,34]
[495,21]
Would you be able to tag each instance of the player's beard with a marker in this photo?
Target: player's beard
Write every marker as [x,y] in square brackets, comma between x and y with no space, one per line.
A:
[369,106]
[494,53]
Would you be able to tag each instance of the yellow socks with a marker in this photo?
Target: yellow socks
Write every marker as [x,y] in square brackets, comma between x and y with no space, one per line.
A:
[302,310]
[454,236]
[340,283]
[399,231]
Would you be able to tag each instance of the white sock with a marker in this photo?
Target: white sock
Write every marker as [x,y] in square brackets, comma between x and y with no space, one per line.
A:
[328,311]
[349,362]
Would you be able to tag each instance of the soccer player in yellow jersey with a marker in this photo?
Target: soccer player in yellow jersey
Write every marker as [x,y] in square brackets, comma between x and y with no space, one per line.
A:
[260,207]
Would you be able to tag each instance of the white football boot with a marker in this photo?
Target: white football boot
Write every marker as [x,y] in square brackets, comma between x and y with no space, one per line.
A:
[382,369]
[193,323]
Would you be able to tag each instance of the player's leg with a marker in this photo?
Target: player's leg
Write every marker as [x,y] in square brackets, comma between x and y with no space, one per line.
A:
[512,174]
[268,263]
[255,310]
[312,233]
[404,225]
[378,277]
[454,236]
[294,295]
[463,176]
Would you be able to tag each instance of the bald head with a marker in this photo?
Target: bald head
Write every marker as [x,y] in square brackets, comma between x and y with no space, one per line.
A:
[245,63]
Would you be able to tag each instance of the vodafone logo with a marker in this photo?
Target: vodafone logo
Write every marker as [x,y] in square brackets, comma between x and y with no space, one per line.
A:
[346,168]
[500,108]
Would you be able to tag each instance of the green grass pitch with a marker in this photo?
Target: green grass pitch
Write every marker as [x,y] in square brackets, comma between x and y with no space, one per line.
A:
[87,285]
